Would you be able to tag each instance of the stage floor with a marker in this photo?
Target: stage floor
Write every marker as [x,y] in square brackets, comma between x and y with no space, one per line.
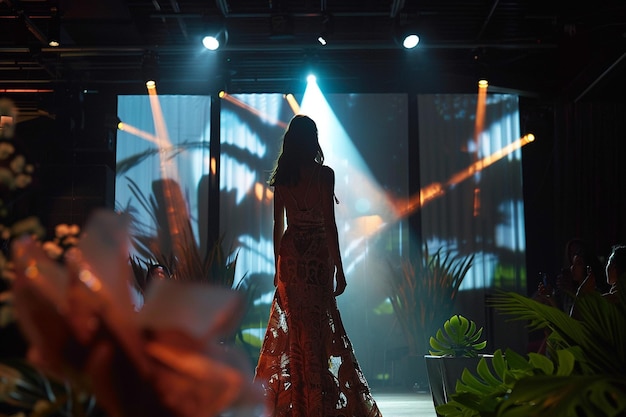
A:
[404,404]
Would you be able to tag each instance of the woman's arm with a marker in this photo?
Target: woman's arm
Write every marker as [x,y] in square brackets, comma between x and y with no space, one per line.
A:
[330,225]
[279,228]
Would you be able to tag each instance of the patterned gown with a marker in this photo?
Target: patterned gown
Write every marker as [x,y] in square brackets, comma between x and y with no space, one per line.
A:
[307,365]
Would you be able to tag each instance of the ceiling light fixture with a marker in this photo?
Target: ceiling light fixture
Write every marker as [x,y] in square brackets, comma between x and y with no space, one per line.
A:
[406,32]
[481,67]
[54,28]
[150,68]
[411,40]
[328,27]
[216,34]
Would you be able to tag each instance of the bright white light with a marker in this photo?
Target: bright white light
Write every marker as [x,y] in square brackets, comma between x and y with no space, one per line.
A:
[411,41]
[369,207]
[311,78]
[211,43]
[321,40]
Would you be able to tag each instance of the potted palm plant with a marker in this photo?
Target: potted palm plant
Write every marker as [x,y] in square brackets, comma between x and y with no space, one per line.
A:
[582,373]
[423,294]
[454,347]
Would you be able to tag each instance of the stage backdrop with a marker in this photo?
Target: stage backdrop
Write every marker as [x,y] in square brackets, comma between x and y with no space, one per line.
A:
[365,138]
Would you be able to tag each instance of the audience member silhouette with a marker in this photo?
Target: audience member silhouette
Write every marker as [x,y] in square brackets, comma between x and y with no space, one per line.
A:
[579,260]
[615,273]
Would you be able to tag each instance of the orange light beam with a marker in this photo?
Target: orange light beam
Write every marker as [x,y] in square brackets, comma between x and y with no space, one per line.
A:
[137,132]
[488,160]
[436,190]
[176,216]
[168,170]
[293,103]
[263,116]
[481,109]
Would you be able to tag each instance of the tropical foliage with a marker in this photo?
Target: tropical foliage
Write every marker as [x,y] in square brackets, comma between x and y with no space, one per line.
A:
[459,336]
[583,373]
[171,241]
[26,389]
[423,293]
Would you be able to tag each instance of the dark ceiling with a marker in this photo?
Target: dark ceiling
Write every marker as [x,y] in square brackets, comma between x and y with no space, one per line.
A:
[574,50]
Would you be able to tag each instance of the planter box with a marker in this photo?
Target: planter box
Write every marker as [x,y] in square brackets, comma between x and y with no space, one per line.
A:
[444,371]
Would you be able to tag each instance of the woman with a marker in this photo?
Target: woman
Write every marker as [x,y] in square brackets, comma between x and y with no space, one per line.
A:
[307,365]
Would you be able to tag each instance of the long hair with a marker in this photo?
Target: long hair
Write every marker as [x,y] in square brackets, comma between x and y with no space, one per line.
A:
[300,145]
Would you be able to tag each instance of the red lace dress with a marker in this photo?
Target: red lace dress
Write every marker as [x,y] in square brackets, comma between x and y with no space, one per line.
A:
[307,365]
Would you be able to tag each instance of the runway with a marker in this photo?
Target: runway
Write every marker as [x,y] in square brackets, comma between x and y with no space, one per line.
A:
[404,404]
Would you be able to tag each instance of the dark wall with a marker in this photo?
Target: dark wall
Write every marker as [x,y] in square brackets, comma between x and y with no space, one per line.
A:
[74,157]
[574,180]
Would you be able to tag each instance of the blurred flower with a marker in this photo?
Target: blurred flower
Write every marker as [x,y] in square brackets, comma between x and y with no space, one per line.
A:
[172,359]
[15,171]
[6,149]
[65,237]
[18,164]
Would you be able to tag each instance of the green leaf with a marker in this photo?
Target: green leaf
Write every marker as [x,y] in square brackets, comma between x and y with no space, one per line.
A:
[485,373]
[499,365]
[458,337]
[566,362]
[541,362]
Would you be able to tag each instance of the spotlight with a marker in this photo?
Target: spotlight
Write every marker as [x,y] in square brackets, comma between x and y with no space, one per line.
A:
[54,28]
[481,67]
[113,122]
[410,41]
[328,27]
[406,32]
[150,68]
[216,34]
[210,42]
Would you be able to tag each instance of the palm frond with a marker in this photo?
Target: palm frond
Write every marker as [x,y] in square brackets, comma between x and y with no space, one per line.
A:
[599,330]
[423,293]
[27,389]
[582,376]
[572,395]
[171,241]
[125,165]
